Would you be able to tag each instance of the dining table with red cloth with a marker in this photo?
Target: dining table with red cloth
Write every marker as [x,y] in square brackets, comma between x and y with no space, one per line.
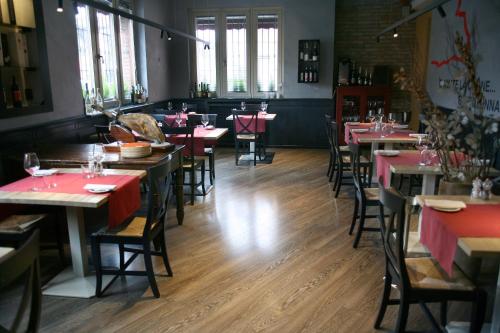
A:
[404,158]
[198,138]
[246,124]
[398,134]
[123,202]
[348,126]
[170,120]
[440,231]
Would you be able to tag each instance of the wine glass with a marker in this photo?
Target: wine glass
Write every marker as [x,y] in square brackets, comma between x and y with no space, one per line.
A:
[178,118]
[184,107]
[98,156]
[204,119]
[170,106]
[243,106]
[32,165]
[421,145]
[263,107]
[391,119]
[370,117]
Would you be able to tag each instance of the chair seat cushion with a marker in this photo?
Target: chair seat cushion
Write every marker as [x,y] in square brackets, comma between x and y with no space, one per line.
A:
[344,148]
[426,273]
[347,159]
[134,228]
[19,223]
[372,193]
[246,136]
[197,162]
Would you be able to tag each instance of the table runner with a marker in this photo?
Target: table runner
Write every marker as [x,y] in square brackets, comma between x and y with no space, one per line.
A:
[348,127]
[244,124]
[440,231]
[122,202]
[399,134]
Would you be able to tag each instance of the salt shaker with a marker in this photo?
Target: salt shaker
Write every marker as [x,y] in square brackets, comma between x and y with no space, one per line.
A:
[476,188]
[487,186]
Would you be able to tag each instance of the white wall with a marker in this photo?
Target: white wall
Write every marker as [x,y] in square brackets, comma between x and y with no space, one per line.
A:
[312,19]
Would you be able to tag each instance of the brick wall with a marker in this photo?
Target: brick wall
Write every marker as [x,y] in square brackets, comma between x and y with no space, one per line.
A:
[356,25]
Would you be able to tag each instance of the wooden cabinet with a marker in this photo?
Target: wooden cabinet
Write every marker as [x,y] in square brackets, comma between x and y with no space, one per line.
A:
[354,102]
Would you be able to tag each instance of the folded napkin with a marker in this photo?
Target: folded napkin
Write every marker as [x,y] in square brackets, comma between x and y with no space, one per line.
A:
[99,187]
[359,130]
[45,172]
[445,204]
[387,152]
[416,135]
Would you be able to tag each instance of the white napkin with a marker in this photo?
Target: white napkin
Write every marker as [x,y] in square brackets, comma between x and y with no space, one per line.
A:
[99,187]
[210,127]
[416,135]
[445,204]
[352,123]
[45,172]
[359,130]
[386,152]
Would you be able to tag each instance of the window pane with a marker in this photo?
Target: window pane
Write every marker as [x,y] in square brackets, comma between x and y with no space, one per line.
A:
[85,48]
[236,48]
[267,52]
[107,51]
[127,55]
[205,59]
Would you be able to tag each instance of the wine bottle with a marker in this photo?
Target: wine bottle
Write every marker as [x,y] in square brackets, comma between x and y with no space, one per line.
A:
[315,76]
[370,82]
[16,94]
[87,102]
[301,53]
[99,102]
[301,76]
[366,77]
[315,53]
[360,76]
[353,74]
[311,74]
[306,52]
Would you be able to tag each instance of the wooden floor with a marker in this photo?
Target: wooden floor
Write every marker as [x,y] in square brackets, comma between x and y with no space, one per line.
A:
[266,251]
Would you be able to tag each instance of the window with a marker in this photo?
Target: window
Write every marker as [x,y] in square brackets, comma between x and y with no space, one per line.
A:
[106,52]
[245,55]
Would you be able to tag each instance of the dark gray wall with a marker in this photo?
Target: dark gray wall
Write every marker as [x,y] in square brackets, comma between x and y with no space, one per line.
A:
[62,50]
[483,17]
[313,19]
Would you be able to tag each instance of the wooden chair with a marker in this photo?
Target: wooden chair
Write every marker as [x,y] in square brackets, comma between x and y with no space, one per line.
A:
[138,231]
[332,163]
[210,151]
[122,134]
[245,127]
[192,162]
[23,265]
[419,280]
[364,196]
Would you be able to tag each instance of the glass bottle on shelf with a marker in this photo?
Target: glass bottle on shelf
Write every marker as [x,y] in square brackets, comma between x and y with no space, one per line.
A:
[87,101]
[353,74]
[360,76]
[366,77]
[315,52]
[306,74]
[301,52]
[99,102]
[301,76]
[306,52]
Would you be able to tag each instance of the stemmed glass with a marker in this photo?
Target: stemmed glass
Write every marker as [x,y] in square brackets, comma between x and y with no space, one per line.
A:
[184,107]
[243,106]
[170,106]
[98,156]
[370,117]
[391,120]
[32,165]
[204,119]
[263,107]
[421,145]
[178,118]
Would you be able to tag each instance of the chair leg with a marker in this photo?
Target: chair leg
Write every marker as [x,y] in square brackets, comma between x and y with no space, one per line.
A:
[149,269]
[361,225]
[211,168]
[192,176]
[340,174]
[164,254]
[96,255]
[337,179]
[203,178]
[354,215]
[478,312]
[443,314]
[237,152]
[254,153]
[329,166]
[121,249]
[404,307]
[385,300]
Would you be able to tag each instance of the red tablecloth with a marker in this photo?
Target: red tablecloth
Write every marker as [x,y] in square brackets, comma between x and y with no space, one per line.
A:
[122,202]
[198,138]
[399,134]
[170,120]
[404,158]
[348,127]
[244,124]
[440,231]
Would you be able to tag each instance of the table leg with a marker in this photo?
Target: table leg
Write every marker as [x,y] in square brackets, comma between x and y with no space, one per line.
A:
[428,184]
[179,195]
[373,171]
[249,157]
[75,281]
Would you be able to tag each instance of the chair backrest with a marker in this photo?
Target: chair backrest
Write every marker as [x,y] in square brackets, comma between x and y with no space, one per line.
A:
[328,129]
[393,205]
[335,137]
[159,180]
[23,265]
[185,136]
[103,135]
[120,133]
[245,122]
[356,168]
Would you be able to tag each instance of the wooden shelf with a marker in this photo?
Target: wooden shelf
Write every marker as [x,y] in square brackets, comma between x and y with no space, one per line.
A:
[28,69]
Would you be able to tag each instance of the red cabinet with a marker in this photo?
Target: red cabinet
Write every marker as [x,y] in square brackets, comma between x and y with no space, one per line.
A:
[354,102]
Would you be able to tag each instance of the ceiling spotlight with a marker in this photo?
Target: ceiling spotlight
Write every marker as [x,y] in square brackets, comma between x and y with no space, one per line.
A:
[441,11]
[206,47]
[395,34]
[161,34]
[169,36]
[60,7]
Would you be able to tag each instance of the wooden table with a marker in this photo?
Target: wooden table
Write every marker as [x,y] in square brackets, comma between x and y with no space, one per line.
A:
[5,250]
[74,281]
[74,155]
[214,135]
[476,247]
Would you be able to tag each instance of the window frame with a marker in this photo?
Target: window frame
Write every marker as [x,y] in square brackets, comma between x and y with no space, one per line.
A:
[220,45]
[96,55]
